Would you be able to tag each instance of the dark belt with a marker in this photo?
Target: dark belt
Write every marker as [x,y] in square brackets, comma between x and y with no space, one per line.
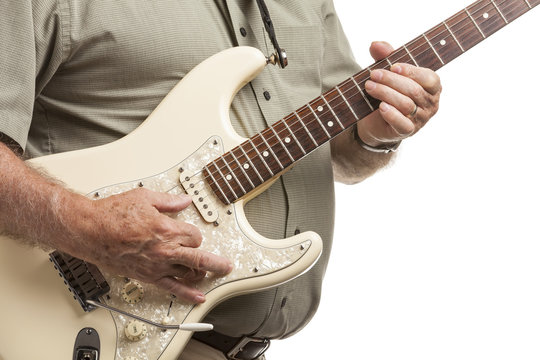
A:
[234,348]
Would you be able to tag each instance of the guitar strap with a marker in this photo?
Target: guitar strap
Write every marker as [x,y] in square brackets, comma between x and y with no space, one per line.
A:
[269,26]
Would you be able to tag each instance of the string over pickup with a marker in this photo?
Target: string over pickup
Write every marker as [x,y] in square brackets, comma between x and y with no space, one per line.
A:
[192,180]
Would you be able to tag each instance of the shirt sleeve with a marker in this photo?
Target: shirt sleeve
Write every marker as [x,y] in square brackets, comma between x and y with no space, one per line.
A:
[338,59]
[31,50]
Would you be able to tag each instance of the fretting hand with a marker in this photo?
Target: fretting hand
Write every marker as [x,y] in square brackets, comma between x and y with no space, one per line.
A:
[409,98]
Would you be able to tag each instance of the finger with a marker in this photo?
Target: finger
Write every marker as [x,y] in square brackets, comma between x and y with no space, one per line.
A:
[188,234]
[427,78]
[399,98]
[164,202]
[187,274]
[401,124]
[181,290]
[380,49]
[202,261]
[175,232]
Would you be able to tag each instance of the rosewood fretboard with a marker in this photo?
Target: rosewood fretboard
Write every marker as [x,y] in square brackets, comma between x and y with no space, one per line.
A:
[276,148]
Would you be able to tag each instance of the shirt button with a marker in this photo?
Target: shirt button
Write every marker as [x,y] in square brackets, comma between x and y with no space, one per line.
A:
[243,32]
[297,231]
[283,302]
[267,95]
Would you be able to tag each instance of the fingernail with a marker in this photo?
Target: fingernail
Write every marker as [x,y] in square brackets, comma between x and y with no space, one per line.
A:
[376,75]
[396,68]
[384,107]
[200,298]
[370,85]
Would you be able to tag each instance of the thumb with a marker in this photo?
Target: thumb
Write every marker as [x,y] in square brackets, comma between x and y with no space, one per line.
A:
[380,49]
[164,202]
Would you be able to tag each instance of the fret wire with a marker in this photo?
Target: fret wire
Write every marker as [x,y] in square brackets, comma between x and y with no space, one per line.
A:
[454,36]
[500,13]
[363,95]
[262,158]
[475,24]
[251,163]
[216,183]
[233,175]
[414,60]
[440,33]
[408,52]
[527,1]
[465,11]
[282,144]
[319,120]
[332,111]
[307,130]
[432,48]
[225,179]
[242,169]
[509,7]
[388,61]
[271,150]
[346,102]
[294,137]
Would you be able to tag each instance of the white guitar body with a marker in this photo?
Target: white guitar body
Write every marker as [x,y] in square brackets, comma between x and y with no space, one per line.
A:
[191,127]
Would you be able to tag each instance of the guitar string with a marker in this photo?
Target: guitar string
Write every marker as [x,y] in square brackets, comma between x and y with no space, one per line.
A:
[305,108]
[271,138]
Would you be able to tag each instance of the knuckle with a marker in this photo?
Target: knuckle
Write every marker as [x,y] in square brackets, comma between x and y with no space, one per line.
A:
[433,82]
[140,191]
[192,234]
[200,261]
[417,92]
[162,227]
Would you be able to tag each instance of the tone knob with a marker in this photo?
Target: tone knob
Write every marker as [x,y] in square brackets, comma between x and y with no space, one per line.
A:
[132,292]
[135,330]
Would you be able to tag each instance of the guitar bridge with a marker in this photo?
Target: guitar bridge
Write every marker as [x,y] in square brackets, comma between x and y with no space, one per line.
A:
[84,280]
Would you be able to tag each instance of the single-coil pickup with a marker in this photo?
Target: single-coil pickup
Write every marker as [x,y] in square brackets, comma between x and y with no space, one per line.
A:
[195,186]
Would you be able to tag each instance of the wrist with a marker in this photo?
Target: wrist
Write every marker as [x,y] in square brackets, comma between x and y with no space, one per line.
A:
[376,147]
[72,212]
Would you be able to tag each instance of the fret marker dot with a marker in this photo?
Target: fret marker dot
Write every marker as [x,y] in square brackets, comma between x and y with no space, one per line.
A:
[265,154]
[320,108]
[228,177]
[330,123]
[246,166]
[443,42]
[486,15]
[287,139]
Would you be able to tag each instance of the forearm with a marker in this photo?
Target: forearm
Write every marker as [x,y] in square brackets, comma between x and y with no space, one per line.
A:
[33,207]
[351,162]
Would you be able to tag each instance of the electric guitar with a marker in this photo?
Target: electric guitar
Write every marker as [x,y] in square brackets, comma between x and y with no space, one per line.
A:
[221,171]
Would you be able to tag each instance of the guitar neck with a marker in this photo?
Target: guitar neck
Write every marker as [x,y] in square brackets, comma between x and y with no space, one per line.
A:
[273,150]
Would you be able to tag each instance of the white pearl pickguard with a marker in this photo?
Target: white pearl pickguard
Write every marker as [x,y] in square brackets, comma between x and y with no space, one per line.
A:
[224,237]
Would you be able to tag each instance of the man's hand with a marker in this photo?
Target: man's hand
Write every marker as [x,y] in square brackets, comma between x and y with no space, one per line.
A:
[130,234]
[409,98]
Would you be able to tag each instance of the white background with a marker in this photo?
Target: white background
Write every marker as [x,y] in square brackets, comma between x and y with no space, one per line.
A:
[438,257]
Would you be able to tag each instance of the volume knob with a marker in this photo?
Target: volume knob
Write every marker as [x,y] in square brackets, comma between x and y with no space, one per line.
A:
[132,292]
[135,330]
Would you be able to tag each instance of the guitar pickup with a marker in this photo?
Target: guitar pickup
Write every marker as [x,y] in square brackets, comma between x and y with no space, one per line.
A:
[195,187]
[84,280]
